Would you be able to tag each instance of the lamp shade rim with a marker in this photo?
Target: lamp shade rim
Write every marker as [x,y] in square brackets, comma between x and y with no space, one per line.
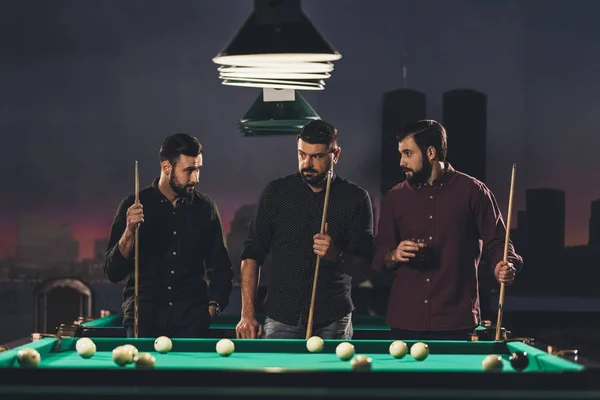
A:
[259,59]
[260,84]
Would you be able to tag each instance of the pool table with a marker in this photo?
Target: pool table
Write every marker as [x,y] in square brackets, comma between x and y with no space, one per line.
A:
[278,368]
[365,327]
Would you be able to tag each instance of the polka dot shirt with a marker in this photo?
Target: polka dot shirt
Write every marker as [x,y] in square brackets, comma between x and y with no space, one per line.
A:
[284,222]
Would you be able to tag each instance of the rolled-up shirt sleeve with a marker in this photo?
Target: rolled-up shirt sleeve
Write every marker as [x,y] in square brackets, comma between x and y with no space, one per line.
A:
[218,264]
[260,230]
[387,237]
[361,240]
[117,267]
[492,229]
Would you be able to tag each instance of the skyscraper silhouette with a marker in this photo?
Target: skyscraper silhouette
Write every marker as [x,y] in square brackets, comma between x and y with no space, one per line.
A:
[465,120]
[545,240]
[400,107]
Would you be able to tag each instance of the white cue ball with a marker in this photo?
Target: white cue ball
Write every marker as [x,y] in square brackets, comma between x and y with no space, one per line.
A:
[121,356]
[315,344]
[419,351]
[163,344]
[28,357]
[85,347]
[225,347]
[398,349]
[344,351]
[492,362]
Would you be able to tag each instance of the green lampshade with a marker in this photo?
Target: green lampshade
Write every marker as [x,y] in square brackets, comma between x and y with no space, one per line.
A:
[277,117]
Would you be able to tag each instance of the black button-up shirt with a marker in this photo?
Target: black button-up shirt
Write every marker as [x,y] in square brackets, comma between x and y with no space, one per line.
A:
[181,248]
[457,217]
[284,222]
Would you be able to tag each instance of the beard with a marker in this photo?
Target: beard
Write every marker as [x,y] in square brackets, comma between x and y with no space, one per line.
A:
[420,176]
[312,177]
[184,192]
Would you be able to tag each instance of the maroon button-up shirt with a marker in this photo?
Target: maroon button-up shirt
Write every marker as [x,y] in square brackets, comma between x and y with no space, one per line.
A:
[457,216]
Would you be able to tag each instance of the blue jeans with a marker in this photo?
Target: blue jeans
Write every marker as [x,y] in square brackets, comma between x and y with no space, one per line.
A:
[340,329]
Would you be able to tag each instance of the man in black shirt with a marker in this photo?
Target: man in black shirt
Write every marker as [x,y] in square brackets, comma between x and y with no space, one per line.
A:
[181,243]
[287,223]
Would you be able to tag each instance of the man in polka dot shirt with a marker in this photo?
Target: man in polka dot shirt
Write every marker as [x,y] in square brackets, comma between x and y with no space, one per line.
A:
[287,223]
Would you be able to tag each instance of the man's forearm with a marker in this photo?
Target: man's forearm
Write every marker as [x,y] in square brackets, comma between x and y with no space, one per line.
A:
[126,243]
[249,272]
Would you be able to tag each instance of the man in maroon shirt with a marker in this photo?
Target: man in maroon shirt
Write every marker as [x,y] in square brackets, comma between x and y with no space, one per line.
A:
[432,230]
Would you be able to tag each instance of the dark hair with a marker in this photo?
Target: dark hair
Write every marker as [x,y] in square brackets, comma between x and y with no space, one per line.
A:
[178,144]
[427,133]
[319,132]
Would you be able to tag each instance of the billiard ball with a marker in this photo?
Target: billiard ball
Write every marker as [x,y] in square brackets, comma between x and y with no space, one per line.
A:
[361,363]
[144,360]
[492,363]
[28,357]
[163,344]
[132,350]
[419,351]
[225,347]
[121,356]
[85,347]
[344,351]
[398,349]
[519,360]
[315,344]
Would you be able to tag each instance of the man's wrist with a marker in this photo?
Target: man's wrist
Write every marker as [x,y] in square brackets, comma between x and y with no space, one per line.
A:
[250,315]
[338,256]
[389,257]
[389,261]
[214,304]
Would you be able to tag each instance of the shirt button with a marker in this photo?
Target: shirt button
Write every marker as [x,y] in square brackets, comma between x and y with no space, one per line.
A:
[172,272]
[173,212]
[174,253]
[170,303]
[174,232]
[426,280]
[426,301]
[431,217]
[169,287]
[431,197]
[430,238]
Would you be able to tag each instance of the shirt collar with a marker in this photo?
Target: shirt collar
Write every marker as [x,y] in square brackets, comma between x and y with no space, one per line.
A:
[334,178]
[447,173]
[179,201]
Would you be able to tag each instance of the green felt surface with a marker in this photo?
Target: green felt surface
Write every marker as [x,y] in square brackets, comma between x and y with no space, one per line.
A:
[287,355]
[229,321]
[110,321]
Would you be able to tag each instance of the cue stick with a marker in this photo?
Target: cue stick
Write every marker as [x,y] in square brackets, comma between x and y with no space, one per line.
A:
[505,258]
[314,289]
[136,312]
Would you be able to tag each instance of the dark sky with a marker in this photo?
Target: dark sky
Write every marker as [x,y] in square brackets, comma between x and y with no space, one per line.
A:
[88,87]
